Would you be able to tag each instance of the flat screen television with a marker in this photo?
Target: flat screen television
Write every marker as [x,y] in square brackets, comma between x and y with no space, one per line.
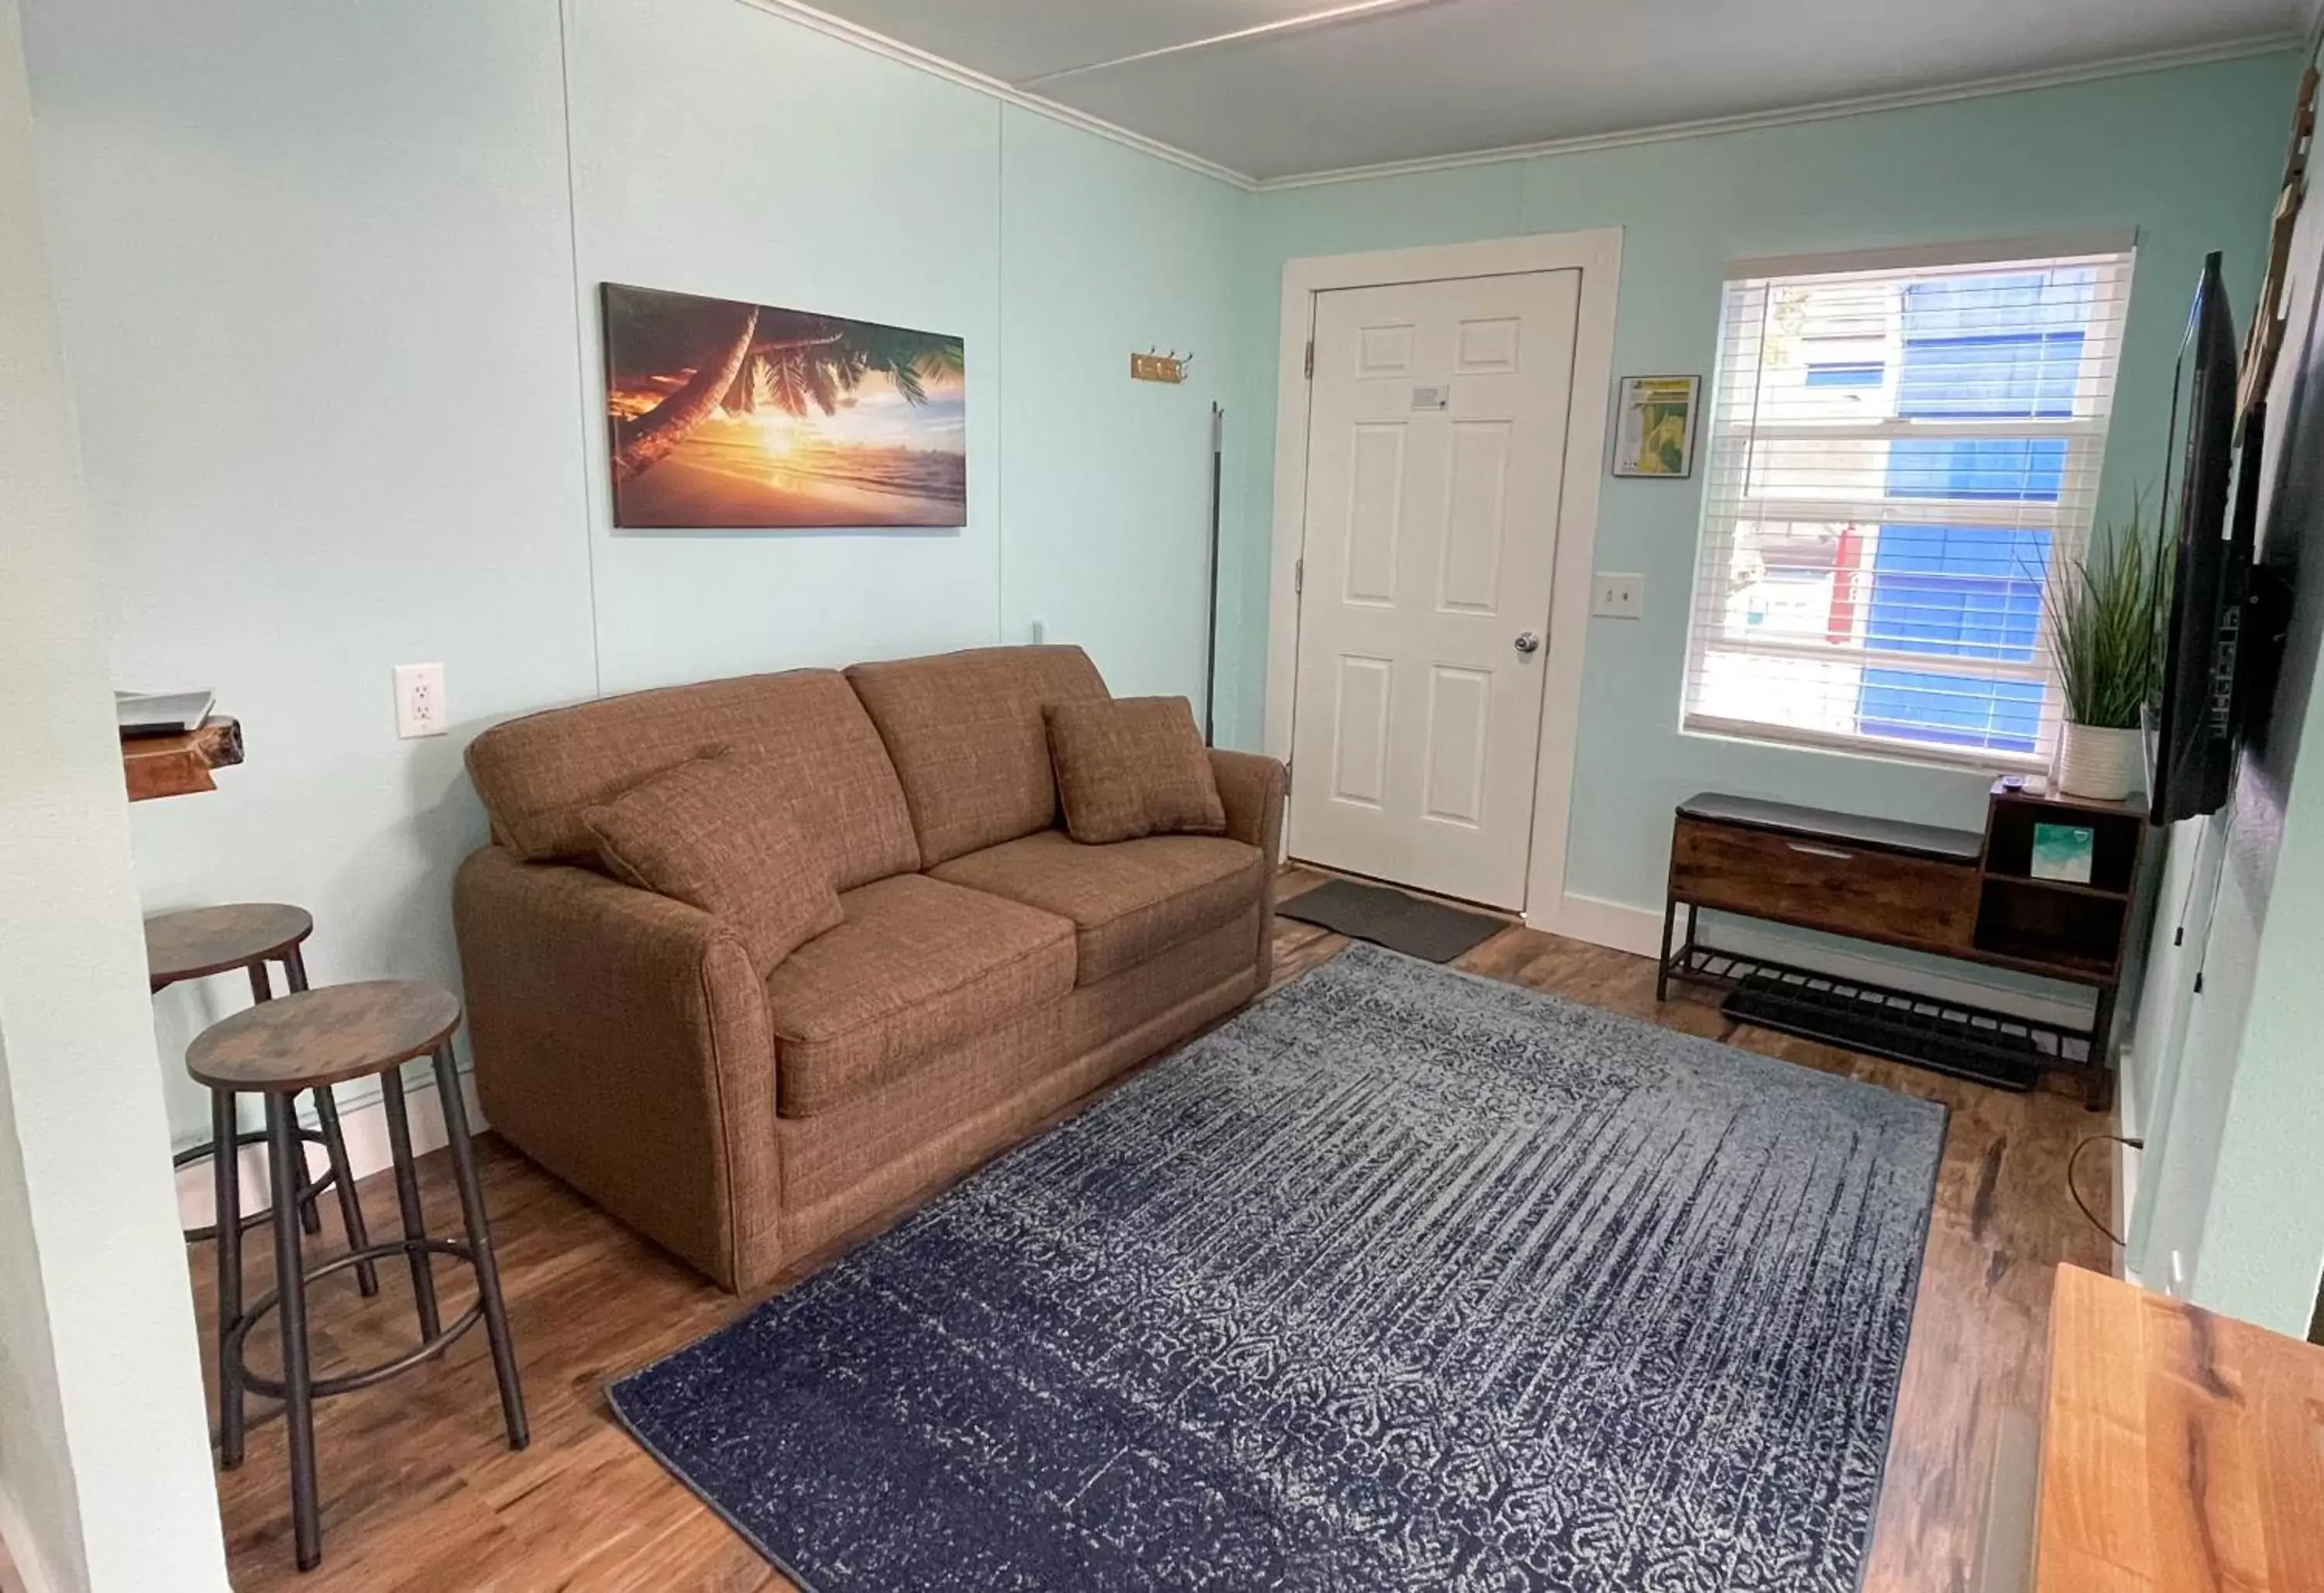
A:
[2196,723]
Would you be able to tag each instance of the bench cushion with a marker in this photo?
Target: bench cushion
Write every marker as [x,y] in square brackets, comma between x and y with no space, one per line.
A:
[918,964]
[1128,900]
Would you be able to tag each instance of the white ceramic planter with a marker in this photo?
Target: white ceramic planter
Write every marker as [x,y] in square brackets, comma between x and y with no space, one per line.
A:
[2097,763]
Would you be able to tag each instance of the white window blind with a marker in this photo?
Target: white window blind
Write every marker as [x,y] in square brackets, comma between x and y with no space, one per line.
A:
[1899,457]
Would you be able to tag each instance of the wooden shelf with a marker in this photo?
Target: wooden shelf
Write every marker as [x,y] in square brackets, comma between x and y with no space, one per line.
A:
[179,766]
[2181,1450]
[2062,886]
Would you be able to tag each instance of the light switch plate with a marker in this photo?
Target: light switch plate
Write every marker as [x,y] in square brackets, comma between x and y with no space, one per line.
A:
[419,708]
[1618,597]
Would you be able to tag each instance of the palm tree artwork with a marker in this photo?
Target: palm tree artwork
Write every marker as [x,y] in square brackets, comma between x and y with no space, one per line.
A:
[725,415]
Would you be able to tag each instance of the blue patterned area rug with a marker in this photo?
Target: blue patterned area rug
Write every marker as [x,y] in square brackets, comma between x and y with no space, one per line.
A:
[1402,1279]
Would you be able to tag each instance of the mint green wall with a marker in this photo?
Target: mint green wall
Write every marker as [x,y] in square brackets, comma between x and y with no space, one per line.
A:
[2230,1201]
[2190,157]
[1106,482]
[328,277]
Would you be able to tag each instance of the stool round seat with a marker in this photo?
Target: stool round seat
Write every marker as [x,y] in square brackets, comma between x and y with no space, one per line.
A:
[204,940]
[324,1037]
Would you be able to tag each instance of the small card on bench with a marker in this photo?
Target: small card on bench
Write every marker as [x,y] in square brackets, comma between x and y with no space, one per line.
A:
[2062,852]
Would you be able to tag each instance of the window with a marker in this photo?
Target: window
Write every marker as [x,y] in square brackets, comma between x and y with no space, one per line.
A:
[1900,453]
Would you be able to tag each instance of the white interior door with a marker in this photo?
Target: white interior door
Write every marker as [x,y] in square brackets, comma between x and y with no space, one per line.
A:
[1435,460]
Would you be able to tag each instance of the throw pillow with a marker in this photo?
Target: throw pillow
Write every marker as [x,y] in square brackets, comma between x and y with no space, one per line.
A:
[712,834]
[1132,766]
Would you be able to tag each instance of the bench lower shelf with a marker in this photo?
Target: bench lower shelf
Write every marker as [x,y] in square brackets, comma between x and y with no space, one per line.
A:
[2000,1049]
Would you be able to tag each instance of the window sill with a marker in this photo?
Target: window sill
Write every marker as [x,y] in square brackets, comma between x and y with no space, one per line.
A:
[1970,760]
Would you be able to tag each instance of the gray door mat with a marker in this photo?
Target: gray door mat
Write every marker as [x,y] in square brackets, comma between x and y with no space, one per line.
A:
[1430,931]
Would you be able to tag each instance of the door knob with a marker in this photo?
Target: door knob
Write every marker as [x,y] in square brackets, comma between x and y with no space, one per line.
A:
[1528,643]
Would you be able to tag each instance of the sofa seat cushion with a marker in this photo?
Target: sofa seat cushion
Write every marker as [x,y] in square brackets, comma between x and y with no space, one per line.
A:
[1127,900]
[918,964]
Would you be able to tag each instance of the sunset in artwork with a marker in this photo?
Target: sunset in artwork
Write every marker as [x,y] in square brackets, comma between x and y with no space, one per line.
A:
[725,415]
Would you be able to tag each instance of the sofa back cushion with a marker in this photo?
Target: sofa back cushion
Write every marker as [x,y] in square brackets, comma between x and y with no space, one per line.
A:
[714,834]
[966,734]
[805,731]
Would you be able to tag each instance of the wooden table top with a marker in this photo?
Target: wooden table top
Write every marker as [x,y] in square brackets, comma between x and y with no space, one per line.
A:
[179,766]
[200,941]
[2183,1451]
[323,1036]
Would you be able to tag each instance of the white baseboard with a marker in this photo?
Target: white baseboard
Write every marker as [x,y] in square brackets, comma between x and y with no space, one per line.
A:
[365,1128]
[1624,928]
[22,1570]
[2130,1118]
[1639,931]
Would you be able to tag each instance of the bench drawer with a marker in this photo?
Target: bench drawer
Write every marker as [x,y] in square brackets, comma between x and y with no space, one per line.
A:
[1848,890]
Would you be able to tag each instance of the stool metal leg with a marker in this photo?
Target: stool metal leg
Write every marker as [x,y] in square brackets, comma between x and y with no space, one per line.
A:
[225,1164]
[480,1246]
[282,1144]
[261,991]
[407,1196]
[343,1179]
[326,1116]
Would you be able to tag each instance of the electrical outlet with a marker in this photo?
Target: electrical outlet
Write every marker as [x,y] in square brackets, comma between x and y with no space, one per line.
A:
[419,708]
[1618,597]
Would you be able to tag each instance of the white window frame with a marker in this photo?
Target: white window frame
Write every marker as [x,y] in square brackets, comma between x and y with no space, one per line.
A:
[2070,529]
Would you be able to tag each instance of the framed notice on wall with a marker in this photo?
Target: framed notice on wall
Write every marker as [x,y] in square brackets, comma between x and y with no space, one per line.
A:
[1654,428]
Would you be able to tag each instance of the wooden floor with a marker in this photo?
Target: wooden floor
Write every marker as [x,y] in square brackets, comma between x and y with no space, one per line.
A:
[419,1490]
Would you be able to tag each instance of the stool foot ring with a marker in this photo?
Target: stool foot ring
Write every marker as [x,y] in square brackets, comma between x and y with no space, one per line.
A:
[427,1349]
[307,1195]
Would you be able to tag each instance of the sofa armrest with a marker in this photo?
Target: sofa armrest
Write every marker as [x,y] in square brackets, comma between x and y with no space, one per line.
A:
[621,1041]
[1252,788]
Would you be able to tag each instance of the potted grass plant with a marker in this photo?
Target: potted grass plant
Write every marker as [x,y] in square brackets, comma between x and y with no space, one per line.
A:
[2108,612]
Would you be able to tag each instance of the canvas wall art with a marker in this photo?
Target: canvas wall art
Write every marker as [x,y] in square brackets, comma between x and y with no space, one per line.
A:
[731,416]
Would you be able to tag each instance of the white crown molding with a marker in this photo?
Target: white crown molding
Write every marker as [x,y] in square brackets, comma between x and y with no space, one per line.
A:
[910,55]
[1791,116]
[895,50]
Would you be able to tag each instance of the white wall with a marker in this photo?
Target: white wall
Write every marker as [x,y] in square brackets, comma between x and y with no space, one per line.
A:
[105,1471]
[328,278]
[2230,1203]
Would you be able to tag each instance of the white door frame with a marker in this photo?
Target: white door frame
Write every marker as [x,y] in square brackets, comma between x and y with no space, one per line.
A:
[1596,254]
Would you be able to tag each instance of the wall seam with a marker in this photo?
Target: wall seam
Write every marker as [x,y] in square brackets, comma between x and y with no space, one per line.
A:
[580,339]
[999,371]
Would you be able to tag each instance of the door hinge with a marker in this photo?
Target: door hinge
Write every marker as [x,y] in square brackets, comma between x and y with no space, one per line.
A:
[1311,359]
[1298,577]
[1287,777]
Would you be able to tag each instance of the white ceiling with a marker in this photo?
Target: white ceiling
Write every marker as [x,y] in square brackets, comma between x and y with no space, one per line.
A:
[1409,79]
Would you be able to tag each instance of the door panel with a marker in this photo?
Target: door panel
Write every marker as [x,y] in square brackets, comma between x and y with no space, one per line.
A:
[1435,462]
[1359,756]
[1460,731]
[1477,518]
[1375,514]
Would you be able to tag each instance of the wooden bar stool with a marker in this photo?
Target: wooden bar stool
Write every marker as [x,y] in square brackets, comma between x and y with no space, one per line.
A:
[196,944]
[312,1041]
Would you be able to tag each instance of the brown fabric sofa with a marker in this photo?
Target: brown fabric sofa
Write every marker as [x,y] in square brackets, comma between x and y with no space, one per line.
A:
[989,969]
